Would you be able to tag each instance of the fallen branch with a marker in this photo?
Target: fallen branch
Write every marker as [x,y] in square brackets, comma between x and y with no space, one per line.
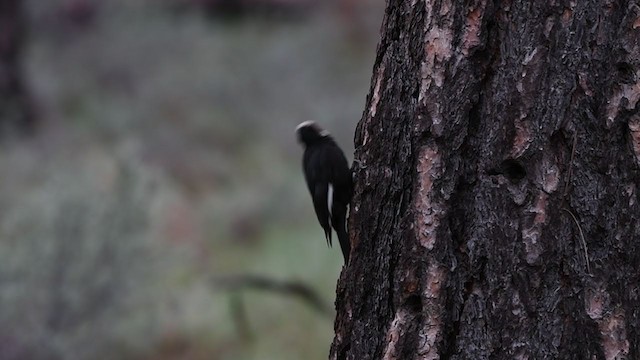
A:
[288,288]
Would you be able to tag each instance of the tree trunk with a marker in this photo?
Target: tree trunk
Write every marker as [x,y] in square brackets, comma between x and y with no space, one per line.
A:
[496,210]
[15,112]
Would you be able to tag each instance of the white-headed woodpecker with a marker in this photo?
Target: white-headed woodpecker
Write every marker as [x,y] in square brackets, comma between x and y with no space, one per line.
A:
[329,181]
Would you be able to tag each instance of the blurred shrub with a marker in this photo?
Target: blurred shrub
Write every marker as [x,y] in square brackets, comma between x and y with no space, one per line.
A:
[101,258]
[75,262]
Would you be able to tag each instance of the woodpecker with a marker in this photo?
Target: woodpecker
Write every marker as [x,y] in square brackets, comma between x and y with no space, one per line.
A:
[328,178]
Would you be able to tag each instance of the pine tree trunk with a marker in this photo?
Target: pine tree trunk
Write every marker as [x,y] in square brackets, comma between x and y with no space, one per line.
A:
[496,210]
[15,112]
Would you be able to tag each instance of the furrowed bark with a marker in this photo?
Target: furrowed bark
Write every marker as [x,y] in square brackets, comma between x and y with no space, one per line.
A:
[496,212]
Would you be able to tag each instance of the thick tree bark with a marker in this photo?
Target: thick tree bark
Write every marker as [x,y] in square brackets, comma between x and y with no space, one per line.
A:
[496,210]
[15,113]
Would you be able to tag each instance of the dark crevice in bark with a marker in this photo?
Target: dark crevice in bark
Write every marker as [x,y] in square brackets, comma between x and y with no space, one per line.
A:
[626,73]
[344,350]
[467,273]
[456,302]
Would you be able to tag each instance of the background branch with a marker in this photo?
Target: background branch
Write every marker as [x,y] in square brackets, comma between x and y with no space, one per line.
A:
[287,288]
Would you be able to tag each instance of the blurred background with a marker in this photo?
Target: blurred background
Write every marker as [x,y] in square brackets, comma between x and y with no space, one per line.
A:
[152,204]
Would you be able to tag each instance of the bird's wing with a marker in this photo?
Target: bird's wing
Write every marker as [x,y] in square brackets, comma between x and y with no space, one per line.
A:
[321,206]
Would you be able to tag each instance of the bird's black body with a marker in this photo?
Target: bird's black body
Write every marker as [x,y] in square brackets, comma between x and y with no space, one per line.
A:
[329,181]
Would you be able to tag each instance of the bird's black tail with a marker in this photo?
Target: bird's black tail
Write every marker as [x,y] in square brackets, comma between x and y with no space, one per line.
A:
[345,245]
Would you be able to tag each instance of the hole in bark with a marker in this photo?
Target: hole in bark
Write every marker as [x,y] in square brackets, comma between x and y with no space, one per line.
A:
[626,73]
[510,168]
[558,139]
[414,303]
[513,169]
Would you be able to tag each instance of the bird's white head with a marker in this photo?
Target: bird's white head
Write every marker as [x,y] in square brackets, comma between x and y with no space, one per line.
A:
[309,132]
